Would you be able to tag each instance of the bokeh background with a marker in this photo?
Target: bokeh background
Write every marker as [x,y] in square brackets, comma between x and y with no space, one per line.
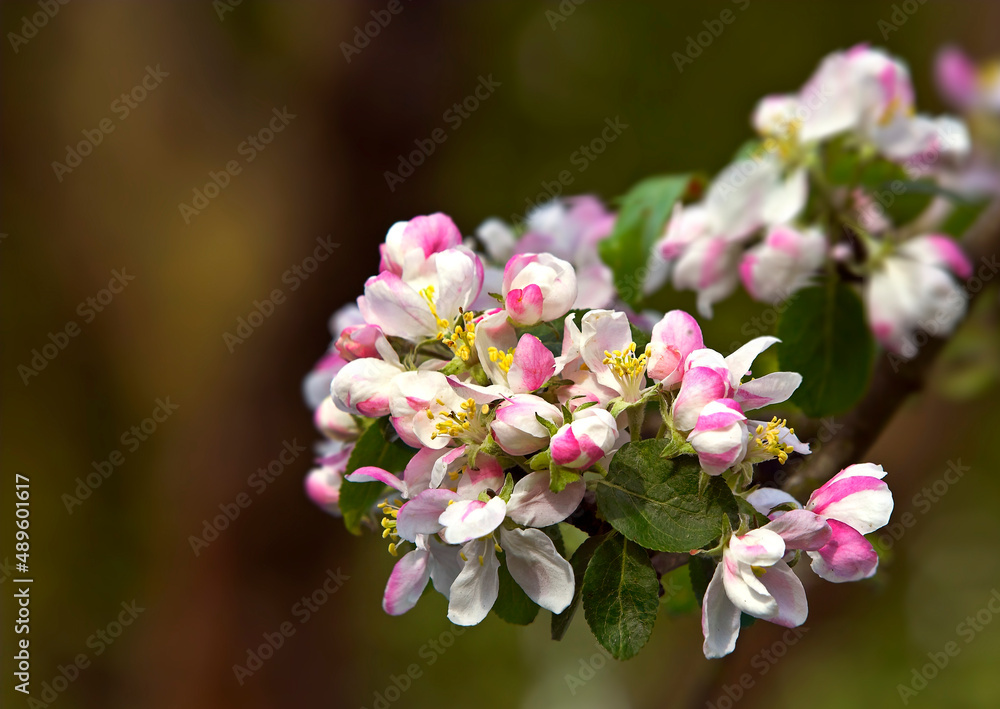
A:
[562,71]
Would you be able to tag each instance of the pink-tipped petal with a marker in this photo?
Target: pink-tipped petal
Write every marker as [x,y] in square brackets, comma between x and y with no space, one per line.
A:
[847,557]
[533,365]
[406,582]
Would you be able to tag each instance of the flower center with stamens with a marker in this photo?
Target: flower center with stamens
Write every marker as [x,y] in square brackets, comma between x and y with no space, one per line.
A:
[504,360]
[766,439]
[390,510]
[628,369]
[462,340]
[428,295]
[465,424]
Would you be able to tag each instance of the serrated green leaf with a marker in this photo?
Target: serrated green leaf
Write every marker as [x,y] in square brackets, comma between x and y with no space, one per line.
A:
[825,339]
[620,596]
[654,501]
[513,604]
[375,448]
[579,561]
[641,220]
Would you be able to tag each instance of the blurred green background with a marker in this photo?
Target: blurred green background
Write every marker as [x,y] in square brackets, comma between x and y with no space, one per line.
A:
[562,71]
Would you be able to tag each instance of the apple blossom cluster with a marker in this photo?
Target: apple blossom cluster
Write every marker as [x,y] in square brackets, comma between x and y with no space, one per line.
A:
[842,181]
[466,430]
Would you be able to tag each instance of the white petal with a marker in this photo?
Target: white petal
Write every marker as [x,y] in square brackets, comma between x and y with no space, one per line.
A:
[720,619]
[475,590]
[470,519]
[766,499]
[533,504]
[739,361]
[538,568]
[782,583]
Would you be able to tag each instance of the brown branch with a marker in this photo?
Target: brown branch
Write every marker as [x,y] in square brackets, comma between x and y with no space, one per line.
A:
[893,381]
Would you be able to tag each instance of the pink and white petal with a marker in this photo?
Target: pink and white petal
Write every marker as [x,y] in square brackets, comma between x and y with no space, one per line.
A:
[847,557]
[744,588]
[396,307]
[700,386]
[476,588]
[533,504]
[538,568]
[533,365]
[524,305]
[674,337]
[770,389]
[868,470]
[452,460]
[720,619]
[471,519]
[488,475]
[785,587]
[419,472]
[406,582]
[420,515]
[758,547]
[370,473]
[801,529]
[863,502]
[766,499]
[603,331]
[739,362]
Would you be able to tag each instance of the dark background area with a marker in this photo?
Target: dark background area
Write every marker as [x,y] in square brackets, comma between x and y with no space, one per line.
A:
[323,174]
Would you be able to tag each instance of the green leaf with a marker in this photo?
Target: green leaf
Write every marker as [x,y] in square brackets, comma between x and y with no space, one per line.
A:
[641,220]
[963,215]
[678,595]
[513,604]
[555,534]
[581,558]
[550,333]
[700,571]
[560,477]
[620,596]
[825,339]
[373,448]
[654,501]
[905,200]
